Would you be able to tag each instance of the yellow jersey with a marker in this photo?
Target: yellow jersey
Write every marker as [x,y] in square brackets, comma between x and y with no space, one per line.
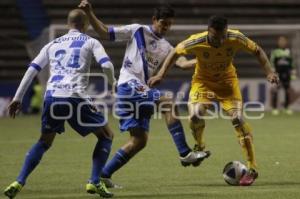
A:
[215,64]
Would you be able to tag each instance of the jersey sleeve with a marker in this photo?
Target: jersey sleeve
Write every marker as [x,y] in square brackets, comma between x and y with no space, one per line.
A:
[99,52]
[246,44]
[122,33]
[37,64]
[42,59]
[103,59]
[186,46]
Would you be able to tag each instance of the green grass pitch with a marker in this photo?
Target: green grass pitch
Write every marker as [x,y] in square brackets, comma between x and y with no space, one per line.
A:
[156,172]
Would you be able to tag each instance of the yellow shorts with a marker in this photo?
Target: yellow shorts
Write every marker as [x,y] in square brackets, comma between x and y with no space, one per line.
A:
[226,92]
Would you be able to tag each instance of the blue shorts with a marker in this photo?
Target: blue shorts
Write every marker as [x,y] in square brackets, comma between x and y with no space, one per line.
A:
[135,106]
[77,111]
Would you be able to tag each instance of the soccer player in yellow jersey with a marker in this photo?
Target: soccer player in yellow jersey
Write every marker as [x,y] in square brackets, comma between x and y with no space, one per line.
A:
[215,79]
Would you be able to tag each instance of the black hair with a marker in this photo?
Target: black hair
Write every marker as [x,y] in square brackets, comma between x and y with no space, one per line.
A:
[77,17]
[163,12]
[217,22]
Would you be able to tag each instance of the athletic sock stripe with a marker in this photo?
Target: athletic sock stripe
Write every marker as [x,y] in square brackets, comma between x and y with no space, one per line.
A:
[175,127]
[122,156]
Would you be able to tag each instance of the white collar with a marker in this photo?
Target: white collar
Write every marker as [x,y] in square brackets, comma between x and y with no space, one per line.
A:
[73,30]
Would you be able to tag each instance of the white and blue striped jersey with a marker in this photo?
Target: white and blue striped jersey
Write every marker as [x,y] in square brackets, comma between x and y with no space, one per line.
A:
[69,57]
[145,52]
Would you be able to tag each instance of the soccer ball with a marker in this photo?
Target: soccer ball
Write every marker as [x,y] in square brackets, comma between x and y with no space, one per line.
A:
[233,172]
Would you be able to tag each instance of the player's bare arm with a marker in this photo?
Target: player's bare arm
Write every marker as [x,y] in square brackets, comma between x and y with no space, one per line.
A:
[183,63]
[266,65]
[99,26]
[169,61]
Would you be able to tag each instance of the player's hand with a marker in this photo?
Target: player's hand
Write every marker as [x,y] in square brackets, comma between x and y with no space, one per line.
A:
[273,78]
[154,80]
[14,108]
[85,5]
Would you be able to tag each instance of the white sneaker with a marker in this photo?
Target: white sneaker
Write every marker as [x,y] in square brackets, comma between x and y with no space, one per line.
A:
[194,157]
[289,111]
[109,183]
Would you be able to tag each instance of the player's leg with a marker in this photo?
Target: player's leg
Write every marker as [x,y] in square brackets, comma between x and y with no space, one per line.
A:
[85,120]
[34,155]
[187,156]
[233,105]
[286,86]
[100,155]
[200,97]
[32,159]
[274,102]
[244,134]
[174,125]
[134,118]
[49,126]
[137,141]
[197,124]
[101,152]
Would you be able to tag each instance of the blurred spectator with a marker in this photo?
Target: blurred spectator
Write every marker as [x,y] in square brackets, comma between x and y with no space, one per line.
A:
[282,61]
[36,98]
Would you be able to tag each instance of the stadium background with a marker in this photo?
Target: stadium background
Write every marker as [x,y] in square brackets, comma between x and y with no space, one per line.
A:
[25,29]
[156,172]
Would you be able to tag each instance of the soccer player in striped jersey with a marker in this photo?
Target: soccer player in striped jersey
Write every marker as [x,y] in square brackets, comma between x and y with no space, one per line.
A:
[69,57]
[145,52]
[215,79]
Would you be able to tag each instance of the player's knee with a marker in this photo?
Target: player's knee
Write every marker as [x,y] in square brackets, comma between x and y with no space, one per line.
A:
[197,119]
[237,120]
[105,132]
[47,139]
[143,141]
[166,107]
[171,117]
[197,113]
[138,139]
[108,134]
[142,144]
[45,144]
[138,143]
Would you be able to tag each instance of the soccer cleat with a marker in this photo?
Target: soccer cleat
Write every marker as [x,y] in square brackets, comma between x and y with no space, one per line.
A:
[99,189]
[109,183]
[198,148]
[194,158]
[249,178]
[13,189]
[275,112]
[289,111]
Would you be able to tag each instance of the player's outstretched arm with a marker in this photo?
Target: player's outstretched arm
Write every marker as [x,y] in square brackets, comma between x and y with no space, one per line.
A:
[266,65]
[16,104]
[169,61]
[98,25]
[183,63]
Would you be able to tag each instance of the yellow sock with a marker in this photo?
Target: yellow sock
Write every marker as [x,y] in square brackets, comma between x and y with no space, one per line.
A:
[197,130]
[246,142]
